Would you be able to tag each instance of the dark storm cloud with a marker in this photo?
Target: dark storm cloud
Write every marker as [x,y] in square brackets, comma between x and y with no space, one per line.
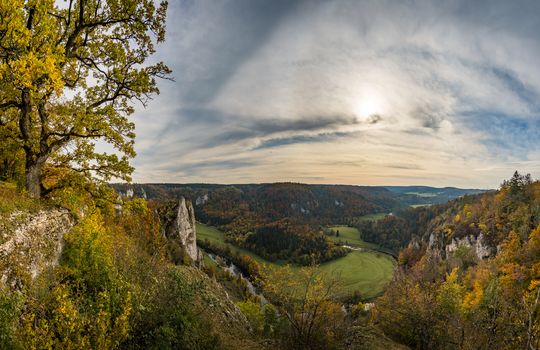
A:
[429,116]
[310,123]
[257,129]
[263,125]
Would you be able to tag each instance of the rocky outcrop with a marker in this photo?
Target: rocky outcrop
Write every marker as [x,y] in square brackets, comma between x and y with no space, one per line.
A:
[201,200]
[478,244]
[31,243]
[438,245]
[178,225]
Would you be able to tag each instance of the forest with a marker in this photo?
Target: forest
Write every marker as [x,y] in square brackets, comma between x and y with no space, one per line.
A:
[278,221]
[286,221]
[443,299]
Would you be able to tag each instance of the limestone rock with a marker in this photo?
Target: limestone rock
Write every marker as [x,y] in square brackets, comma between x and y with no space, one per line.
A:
[201,200]
[478,244]
[31,243]
[178,224]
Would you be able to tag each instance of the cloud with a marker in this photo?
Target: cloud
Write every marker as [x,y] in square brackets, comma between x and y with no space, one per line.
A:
[339,91]
[199,168]
[252,130]
[209,40]
[404,166]
[277,142]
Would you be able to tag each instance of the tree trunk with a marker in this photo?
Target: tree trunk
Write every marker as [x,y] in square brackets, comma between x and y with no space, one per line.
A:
[33,180]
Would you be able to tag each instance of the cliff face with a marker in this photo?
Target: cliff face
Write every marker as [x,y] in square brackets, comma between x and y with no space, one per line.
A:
[439,245]
[178,224]
[30,243]
[477,244]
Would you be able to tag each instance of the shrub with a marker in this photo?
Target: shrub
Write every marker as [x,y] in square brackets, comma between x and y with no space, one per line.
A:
[10,308]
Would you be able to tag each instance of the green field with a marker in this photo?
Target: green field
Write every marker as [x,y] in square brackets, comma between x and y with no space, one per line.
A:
[419,205]
[372,217]
[216,236]
[366,271]
[423,194]
[351,236]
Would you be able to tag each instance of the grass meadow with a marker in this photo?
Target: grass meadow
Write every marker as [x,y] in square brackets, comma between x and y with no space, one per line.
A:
[366,272]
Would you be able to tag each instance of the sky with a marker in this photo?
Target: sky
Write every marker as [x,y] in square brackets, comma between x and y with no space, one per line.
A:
[441,93]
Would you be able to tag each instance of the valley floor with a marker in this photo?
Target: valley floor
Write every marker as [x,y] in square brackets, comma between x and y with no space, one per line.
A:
[366,272]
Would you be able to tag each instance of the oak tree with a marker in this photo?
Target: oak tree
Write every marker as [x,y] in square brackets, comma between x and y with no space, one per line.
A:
[70,74]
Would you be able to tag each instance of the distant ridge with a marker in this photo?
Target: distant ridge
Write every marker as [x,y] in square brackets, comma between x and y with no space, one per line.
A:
[353,200]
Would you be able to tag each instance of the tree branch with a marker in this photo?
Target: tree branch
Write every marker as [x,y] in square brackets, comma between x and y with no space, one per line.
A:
[10,104]
[76,134]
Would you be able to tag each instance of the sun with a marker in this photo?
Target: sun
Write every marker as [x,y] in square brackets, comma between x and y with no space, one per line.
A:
[368,104]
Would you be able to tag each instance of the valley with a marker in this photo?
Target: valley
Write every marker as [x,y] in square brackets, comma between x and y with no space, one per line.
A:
[365,272]
[302,225]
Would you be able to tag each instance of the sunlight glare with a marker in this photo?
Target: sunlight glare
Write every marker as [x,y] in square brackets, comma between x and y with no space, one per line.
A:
[368,105]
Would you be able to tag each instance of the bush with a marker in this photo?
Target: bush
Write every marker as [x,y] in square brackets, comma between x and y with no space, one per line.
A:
[85,303]
[167,320]
[264,319]
[10,308]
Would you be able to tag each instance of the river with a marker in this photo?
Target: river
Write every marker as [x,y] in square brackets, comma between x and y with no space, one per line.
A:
[235,271]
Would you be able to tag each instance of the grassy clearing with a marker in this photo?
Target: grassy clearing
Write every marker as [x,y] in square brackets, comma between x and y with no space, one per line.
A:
[423,194]
[216,236]
[366,272]
[419,205]
[372,217]
[351,236]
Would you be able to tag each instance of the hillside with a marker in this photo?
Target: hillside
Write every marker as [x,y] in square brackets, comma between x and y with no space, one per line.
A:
[426,195]
[111,280]
[469,274]
[324,204]
[83,277]
[307,203]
